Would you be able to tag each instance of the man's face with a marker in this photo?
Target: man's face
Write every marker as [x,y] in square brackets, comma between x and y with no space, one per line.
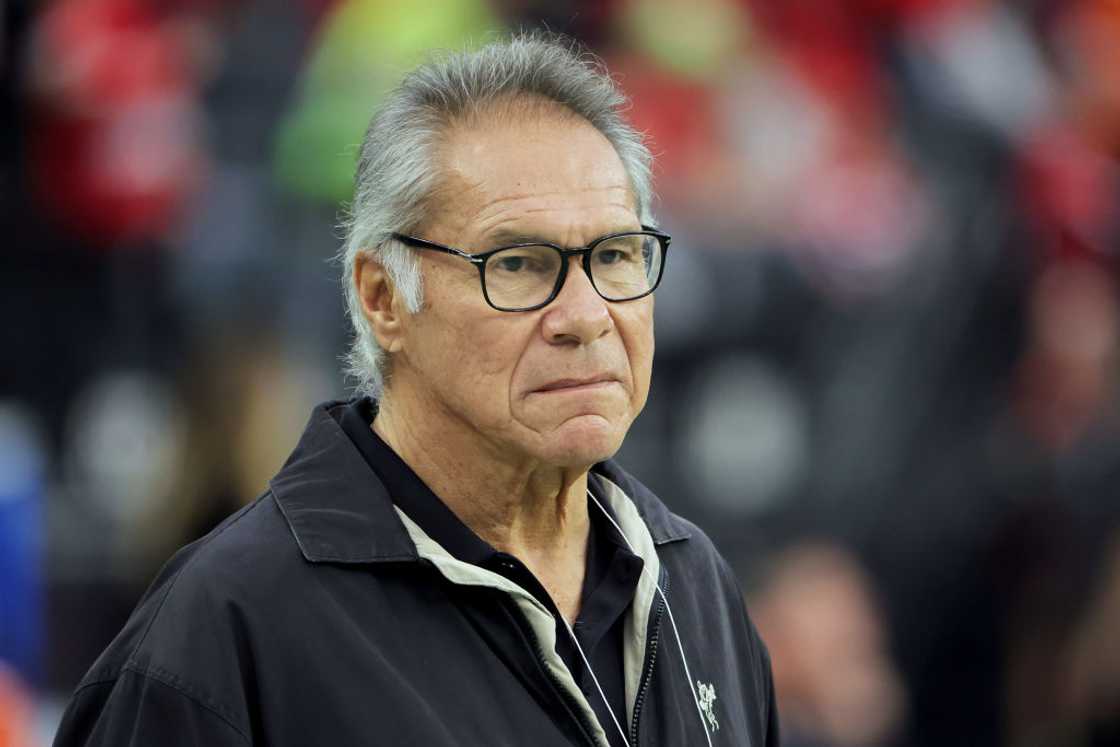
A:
[559,385]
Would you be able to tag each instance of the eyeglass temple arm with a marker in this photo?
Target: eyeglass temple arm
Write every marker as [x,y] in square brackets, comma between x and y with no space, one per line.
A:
[425,244]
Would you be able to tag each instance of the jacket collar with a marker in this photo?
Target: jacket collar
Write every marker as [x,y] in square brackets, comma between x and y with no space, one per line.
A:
[340,512]
[664,526]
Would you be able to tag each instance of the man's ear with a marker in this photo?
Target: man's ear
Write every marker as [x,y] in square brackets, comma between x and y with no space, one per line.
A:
[381,305]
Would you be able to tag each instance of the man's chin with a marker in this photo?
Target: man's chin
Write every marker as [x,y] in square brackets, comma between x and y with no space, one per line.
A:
[583,441]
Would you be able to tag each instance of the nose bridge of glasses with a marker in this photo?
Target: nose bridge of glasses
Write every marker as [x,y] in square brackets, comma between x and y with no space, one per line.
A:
[578,306]
[582,258]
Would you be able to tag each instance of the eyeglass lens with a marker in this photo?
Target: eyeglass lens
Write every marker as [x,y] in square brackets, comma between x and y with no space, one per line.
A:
[622,267]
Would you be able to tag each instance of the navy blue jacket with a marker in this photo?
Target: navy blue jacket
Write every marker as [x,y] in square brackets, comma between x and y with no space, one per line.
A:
[321,615]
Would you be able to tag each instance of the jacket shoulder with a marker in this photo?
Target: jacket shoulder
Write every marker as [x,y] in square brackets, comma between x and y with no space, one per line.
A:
[185,640]
[135,709]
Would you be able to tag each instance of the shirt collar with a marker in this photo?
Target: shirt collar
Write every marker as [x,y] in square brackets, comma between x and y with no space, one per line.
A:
[340,511]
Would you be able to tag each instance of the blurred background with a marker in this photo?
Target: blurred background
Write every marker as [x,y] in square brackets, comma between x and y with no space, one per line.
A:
[888,335]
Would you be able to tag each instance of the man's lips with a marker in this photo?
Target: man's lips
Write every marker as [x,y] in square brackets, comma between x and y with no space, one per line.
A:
[575,384]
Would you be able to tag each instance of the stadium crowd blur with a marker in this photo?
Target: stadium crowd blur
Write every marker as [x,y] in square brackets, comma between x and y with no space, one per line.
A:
[888,333]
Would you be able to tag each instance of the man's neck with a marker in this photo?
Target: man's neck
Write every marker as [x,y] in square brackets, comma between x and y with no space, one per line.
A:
[533,511]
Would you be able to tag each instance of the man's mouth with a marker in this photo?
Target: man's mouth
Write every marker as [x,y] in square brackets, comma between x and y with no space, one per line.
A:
[577,384]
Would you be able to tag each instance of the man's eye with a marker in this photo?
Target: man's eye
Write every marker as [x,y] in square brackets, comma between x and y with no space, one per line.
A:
[511,264]
[617,254]
[527,262]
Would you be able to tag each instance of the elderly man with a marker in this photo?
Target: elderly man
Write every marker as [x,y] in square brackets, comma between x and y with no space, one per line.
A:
[457,562]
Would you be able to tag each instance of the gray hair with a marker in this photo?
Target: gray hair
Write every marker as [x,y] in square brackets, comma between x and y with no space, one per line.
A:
[397,170]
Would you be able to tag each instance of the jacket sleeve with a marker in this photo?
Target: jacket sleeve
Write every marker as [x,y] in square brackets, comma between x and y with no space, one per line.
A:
[143,709]
[773,733]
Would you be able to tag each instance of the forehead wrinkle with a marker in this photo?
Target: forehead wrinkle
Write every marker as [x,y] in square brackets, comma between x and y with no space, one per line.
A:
[500,204]
[451,185]
[448,195]
[553,193]
[456,180]
[472,204]
[511,224]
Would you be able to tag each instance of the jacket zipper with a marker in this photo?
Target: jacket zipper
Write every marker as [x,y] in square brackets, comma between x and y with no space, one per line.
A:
[573,706]
[651,657]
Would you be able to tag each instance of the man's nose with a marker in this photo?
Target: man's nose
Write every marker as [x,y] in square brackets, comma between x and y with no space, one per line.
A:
[578,314]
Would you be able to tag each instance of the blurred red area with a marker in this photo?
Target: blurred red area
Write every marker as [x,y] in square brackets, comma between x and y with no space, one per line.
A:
[16,712]
[115,133]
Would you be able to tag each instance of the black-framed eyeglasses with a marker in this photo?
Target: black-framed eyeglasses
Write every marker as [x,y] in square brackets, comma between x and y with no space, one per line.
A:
[622,266]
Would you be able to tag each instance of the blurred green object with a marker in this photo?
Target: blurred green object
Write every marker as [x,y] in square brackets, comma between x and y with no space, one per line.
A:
[695,39]
[363,49]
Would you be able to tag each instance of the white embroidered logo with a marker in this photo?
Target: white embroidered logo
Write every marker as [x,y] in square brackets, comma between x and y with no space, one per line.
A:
[707,696]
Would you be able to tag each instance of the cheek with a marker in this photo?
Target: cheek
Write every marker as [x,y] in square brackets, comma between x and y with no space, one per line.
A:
[637,336]
[478,354]
[453,330]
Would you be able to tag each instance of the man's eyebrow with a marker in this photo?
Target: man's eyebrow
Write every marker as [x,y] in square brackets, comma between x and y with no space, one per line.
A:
[507,236]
